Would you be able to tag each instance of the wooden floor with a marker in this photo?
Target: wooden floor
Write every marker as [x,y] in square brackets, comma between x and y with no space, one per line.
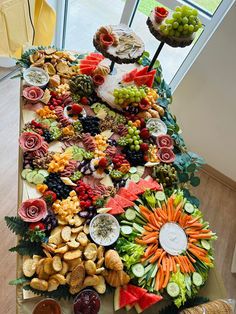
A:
[218,202]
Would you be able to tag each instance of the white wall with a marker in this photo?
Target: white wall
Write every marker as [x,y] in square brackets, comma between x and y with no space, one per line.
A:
[205,101]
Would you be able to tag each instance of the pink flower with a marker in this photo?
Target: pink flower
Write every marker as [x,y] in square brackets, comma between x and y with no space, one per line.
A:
[30,141]
[33,93]
[166,155]
[33,210]
[164,141]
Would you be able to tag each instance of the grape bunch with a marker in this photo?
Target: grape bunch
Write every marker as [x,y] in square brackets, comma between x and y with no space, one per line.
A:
[183,22]
[129,94]
[132,139]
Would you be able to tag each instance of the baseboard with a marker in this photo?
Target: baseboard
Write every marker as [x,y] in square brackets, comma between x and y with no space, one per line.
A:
[217,175]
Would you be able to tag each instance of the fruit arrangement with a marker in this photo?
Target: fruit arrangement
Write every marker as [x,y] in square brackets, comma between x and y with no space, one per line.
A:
[176,28]
[84,162]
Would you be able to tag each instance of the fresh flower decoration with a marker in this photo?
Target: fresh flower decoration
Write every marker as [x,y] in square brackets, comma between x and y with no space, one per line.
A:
[33,93]
[33,210]
[30,141]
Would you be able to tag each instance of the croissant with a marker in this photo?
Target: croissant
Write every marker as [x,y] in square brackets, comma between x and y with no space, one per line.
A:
[116,278]
[113,260]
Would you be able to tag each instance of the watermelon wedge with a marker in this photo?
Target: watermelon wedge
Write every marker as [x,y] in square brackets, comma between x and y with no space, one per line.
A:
[87,70]
[116,209]
[142,71]
[149,185]
[129,77]
[127,194]
[143,79]
[134,188]
[89,62]
[96,55]
[155,184]
[146,301]
[122,298]
[123,202]
[135,291]
[93,58]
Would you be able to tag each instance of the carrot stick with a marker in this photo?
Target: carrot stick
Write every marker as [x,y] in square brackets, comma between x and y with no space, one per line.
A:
[192,240]
[168,211]
[157,280]
[164,263]
[156,255]
[148,250]
[191,258]
[193,220]
[161,278]
[145,209]
[167,274]
[170,262]
[140,241]
[148,228]
[150,236]
[160,259]
[201,236]
[198,248]
[174,265]
[151,226]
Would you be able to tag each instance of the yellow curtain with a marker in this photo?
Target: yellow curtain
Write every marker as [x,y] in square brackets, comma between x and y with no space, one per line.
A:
[16,29]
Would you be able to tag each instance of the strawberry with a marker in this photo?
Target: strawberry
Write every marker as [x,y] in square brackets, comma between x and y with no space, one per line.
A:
[144,147]
[103,162]
[49,197]
[76,109]
[84,101]
[144,133]
[38,225]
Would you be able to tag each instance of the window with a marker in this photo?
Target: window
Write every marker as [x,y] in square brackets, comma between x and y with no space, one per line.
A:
[82,18]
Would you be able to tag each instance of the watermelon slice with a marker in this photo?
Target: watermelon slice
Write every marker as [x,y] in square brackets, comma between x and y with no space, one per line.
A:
[127,194]
[87,70]
[149,185]
[123,202]
[96,55]
[135,291]
[142,71]
[146,301]
[89,62]
[93,58]
[143,79]
[122,298]
[116,209]
[155,184]
[134,188]
[129,77]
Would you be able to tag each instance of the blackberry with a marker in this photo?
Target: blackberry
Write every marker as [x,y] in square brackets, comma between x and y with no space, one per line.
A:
[55,184]
[119,184]
[131,109]
[47,136]
[90,125]
[134,157]
[50,221]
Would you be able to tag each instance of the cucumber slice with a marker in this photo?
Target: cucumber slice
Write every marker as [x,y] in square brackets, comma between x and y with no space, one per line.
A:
[25,172]
[133,170]
[173,289]
[126,230]
[30,176]
[124,222]
[138,227]
[111,113]
[148,268]
[188,282]
[189,208]
[130,214]
[160,196]
[138,270]
[135,177]
[43,172]
[38,179]
[197,279]
[154,271]
[205,244]
[140,170]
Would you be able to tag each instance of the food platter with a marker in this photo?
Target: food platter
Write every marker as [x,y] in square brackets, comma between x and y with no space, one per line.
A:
[104,199]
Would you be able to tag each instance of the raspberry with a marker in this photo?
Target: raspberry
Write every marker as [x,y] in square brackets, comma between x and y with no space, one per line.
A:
[144,147]
[76,109]
[84,101]
[103,162]
[144,133]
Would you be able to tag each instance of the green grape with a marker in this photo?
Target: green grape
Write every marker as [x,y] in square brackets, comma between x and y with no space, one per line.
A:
[136,142]
[172,32]
[175,25]
[185,32]
[176,15]
[135,137]
[130,140]
[166,32]
[185,20]
[130,122]
[178,9]
[132,147]
[136,132]
[185,27]
[130,131]
[137,99]
[191,28]
[195,12]
[167,21]
[120,101]
[180,28]
[177,34]
[137,147]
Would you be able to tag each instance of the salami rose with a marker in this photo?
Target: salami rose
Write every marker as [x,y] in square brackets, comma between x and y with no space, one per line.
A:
[30,141]
[164,141]
[33,210]
[166,155]
[33,93]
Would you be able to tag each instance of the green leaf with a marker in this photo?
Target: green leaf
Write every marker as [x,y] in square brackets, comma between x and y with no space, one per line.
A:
[195,181]
[27,248]
[19,281]
[191,168]
[183,177]
[62,292]
[16,225]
